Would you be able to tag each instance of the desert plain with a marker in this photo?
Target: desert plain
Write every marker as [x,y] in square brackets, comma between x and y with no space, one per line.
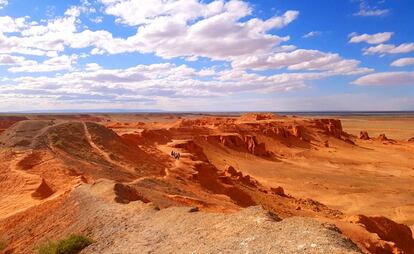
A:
[248,182]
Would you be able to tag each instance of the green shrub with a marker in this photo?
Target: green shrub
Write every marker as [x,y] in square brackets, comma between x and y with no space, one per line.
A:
[70,245]
[3,244]
[47,248]
[59,143]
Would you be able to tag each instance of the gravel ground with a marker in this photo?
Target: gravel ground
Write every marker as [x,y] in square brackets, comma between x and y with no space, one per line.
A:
[140,228]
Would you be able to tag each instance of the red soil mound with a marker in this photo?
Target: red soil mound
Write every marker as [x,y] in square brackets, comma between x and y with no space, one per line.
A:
[229,171]
[31,160]
[7,121]
[364,135]
[25,134]
[148,137]
[257,117]
[195,151]
[125,194]
[118,125]
[278,191]
[332,127]
[399,235]
[411,140]
[67,117]
[43,191]
[208,177]
[385,139]
[382,137]
[239,142]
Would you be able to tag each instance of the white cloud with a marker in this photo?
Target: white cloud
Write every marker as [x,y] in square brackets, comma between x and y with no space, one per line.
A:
[97,20]
[10,60]
[403,62]
[301,59]
[384,49]
[312,34]
[38,39]
[3,3]
[372,12]
[92,67]
[366,10]
[386,79]
[134,13]
[154,82]
[370,38]
[189,29]
[53,64]
[166,28]
[10,25]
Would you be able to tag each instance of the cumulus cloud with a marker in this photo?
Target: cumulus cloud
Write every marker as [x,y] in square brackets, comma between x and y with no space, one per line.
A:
[166,28]
[38,39]
[10,60]
[192,30]
[403,62]
[53,64]
[92,67]
[370,38]
[10,25]
[155,82]
[386,79]
[301,59]
[383,49]
[189,28]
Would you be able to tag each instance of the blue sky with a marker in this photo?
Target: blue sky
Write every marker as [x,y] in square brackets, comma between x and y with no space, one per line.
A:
[190,55]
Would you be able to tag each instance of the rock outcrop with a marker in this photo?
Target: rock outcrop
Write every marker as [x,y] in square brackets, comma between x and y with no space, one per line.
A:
[364,135]
[43,191]
[332,127]
[125,194]
[382,137]
[257,116]
[240,142]
[277,191]
[395,237]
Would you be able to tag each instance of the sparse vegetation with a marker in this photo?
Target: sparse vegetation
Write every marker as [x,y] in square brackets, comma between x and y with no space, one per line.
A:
[3,244]
[70,245]
[59,143]
[55,139]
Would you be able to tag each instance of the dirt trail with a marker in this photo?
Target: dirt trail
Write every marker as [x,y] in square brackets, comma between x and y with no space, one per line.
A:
[100,151]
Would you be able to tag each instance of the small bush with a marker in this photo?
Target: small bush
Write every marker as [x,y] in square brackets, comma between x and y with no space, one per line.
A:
[3,244]
[47,248]
[59,143]
[70,245]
